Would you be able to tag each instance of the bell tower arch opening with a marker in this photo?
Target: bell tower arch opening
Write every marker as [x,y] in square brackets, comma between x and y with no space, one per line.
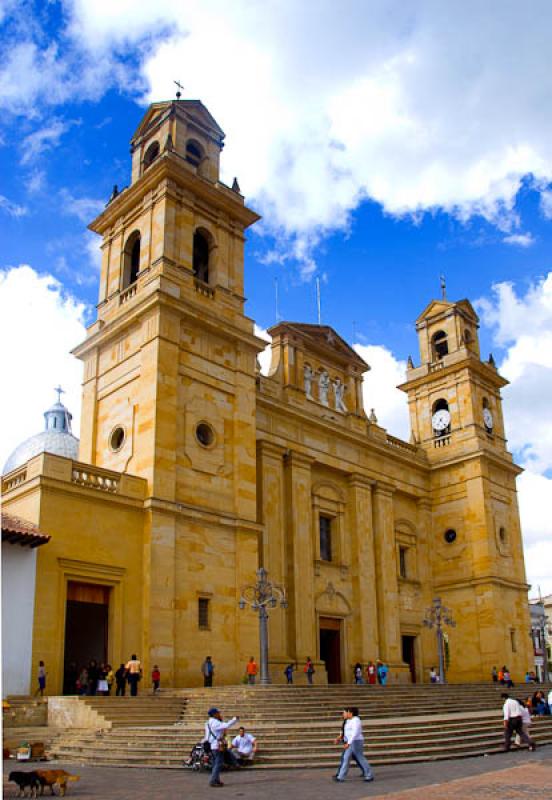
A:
[131,260]
[439,345]
[202,255]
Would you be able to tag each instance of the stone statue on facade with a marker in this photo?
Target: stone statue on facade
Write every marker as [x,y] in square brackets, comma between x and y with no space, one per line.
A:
[309,377]
[323,387]
[339,391]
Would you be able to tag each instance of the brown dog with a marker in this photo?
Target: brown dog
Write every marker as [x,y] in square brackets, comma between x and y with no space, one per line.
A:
[51,777]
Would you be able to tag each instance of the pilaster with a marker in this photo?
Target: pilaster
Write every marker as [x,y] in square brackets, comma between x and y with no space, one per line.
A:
[363,567]
[301,614]
[387,589]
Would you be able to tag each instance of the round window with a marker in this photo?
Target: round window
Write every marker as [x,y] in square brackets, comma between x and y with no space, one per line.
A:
[205,434]
[117,438]
[450,536]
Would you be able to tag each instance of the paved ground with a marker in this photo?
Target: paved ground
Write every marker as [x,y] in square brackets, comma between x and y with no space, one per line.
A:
[505,777]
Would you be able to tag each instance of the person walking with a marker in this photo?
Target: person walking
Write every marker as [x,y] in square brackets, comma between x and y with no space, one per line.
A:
[371,673]
[507,678]
[353,747]
[382,670]
[513,723]
[308,669]
[215,731]
[155,678]
[494,675]
[358,674]
[341,740]
[288,672]
[133,673]
[525,719]
[251,670]
[41,675]
[120,681]
[208,671]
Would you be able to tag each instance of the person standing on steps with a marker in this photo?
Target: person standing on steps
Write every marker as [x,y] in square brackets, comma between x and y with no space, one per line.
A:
[215,741]
[371,673]
[308,669]
[208,671]
[513,723]
[120,681]
[353,747]
[134,673]
[41,675]
[251,671]
[288,672]
[494,675]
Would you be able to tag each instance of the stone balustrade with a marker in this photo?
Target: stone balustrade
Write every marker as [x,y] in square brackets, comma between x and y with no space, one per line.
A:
[14,480]
[125,296]
[95,479]
[203,288]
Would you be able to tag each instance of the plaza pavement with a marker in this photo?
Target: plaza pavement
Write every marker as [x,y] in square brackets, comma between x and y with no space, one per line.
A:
[504,776]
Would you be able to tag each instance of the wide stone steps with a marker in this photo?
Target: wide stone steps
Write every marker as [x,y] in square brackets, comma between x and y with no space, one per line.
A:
[138,711]
[296,726]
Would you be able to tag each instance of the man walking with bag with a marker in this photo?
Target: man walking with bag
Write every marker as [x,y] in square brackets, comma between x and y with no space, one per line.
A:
[513,723]
[214,741]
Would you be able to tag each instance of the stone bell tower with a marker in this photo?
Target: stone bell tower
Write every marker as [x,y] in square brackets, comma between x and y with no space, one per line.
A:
[477,554]
[169,383]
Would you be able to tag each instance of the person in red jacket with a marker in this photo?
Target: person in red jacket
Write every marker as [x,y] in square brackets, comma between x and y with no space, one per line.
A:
[155,678]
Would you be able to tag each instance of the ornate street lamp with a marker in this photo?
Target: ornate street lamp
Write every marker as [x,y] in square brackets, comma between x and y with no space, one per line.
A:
[437,616]
[261,596]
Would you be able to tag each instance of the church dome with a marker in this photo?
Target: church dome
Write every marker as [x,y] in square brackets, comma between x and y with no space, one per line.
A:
[56,438]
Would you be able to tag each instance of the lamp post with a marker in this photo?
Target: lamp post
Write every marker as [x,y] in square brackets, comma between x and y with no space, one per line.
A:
[261,596]
[437,616]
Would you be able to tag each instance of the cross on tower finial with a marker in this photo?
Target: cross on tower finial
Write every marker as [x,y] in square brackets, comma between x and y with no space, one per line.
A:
[443,287]
[59,391]
[180,89]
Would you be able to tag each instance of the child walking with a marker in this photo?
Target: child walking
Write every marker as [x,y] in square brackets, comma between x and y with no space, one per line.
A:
[155,678]
[41,679]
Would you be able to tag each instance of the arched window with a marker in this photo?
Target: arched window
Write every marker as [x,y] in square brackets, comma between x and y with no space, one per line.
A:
[201,256]
[440,345]
[194,152]
[151,154]
[131,259]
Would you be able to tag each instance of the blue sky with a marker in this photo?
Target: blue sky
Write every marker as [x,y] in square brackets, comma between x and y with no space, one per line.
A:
[384,144]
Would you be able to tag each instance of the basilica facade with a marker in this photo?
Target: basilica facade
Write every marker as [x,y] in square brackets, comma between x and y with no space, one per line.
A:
[194,468]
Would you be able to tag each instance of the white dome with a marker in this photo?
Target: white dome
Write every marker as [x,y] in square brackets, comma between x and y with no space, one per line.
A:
[60,443]
[56,438]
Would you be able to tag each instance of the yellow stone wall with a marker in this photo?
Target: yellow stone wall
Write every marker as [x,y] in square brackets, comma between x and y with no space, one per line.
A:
[182,521]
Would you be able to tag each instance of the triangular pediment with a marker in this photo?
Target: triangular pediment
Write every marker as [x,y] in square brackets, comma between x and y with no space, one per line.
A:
[322,339]
[194,108]
[440,307]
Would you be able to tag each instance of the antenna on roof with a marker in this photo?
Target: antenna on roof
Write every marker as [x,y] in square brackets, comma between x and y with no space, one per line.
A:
[180,89]
[277,307]
[443,286]
[318,300]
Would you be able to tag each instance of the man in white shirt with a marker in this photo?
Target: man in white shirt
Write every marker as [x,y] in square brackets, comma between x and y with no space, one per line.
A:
[353,745]
[550,700]
[245,745]
[215,729]
[513,723]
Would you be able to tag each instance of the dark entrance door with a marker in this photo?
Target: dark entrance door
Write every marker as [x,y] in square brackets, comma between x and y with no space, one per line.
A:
[86,629]
[409,655]
[330,647]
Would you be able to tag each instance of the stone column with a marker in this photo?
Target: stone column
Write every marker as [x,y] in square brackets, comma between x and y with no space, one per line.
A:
[271,503]
[363,567]
[387,580]
[428,650]
[301,613]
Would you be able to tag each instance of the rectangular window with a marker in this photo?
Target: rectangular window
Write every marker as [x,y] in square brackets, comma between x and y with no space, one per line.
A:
[203,613]
[402,562]
[513,639]
[325,538]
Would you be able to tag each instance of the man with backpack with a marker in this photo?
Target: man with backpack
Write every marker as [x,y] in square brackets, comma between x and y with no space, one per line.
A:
[215,742]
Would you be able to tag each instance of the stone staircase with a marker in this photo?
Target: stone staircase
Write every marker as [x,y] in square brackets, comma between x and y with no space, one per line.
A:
[296,726]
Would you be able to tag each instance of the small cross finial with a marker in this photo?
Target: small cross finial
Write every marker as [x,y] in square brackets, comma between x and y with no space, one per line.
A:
[59,391]
[443,287]
[180,89]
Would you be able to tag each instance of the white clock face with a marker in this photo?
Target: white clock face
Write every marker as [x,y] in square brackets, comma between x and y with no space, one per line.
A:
[487,418]
[440,420]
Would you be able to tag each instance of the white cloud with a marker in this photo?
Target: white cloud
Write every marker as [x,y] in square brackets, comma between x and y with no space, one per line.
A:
[522,324]
[84,208]
[419,106]
[380,389]
[520,239]
[11,208]
[44,139]
[39,324]
[36,181]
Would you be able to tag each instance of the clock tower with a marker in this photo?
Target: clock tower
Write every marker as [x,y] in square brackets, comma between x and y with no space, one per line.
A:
[477,555]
